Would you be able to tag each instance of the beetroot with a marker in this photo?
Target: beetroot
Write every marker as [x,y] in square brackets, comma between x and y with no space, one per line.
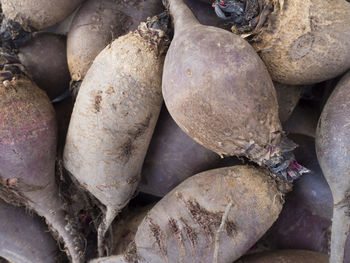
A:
[332,147]
[28,150]
[229,111]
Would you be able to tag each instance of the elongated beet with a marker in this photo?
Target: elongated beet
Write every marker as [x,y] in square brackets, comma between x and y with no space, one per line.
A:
[28,149]
[172,157]
[114,117]
[332,147]
[301,42]
[201,219]
[17,230]
[96,24]
[219,92]
[286,256]
[44,57]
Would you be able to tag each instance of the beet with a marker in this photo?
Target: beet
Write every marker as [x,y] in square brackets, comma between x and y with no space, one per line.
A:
[231,112]
[27,152]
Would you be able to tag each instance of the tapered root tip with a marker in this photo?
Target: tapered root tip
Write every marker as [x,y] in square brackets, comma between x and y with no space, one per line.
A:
[340,229]
[102,229]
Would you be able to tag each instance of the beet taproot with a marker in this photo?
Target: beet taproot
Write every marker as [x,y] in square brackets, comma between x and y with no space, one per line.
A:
[301,42]
[332,147]
[214,216]
[28,150]
[96,24]
[219,92]
[114,117]
[44,58]
[17,230]
[286,256]
[172,157]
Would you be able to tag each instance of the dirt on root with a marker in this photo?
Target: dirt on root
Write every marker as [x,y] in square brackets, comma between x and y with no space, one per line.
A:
[208,221]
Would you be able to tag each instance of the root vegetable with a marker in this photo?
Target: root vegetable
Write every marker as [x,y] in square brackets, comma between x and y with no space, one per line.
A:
[96,24]
[219,92]
[172,157]
[114,117]
[44,57]
[214,216]
[286,256]
[332,147]
[17,230]
[28,149]
[301,42]
[38,14]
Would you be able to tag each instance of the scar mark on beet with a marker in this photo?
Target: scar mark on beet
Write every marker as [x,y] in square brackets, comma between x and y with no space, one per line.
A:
[134,179]
[345,202]
[98,100]
[140,128]
[158,235]
[127,148]
[191,234]
[208,221]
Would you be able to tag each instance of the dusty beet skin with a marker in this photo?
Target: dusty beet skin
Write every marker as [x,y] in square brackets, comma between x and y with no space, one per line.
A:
[332,147]
[301,42]
[27,152]
[231,112]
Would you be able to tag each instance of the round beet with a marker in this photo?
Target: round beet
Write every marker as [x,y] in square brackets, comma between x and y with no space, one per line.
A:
[301,42]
